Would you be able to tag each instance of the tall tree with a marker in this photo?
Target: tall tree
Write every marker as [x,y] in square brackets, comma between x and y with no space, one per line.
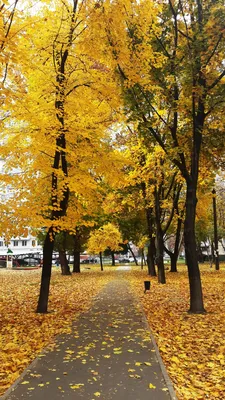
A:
[172,76]
[57,133]
[108,236]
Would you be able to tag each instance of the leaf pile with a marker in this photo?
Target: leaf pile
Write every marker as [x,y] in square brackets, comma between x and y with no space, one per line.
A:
[23,333]
[192,346]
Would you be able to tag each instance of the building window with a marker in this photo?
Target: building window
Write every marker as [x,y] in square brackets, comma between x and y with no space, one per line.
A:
[33,243]
[15,242]
[24,242]
[1,243]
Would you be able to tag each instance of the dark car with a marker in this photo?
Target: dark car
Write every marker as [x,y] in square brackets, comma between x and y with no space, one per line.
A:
[2,263]
[90,260]
[20,262]
[32,261]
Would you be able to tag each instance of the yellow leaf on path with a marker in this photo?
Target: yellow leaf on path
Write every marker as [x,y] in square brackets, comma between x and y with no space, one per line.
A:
[76,386]
[148,363]
[151,386]
[97,394]
[41,384]
[25,382]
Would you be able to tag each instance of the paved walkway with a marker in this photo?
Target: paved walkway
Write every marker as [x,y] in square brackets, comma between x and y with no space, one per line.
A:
[109,355]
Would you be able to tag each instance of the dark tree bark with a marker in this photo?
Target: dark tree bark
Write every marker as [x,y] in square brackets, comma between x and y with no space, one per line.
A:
[196,299]
[101,263]
[63,259]
[175,254]
[76,261]
[142,258]
[76,253]
[134,257]
[151,248]
[159,240]
[113,258]
[150,225]
[151,257]
[46,272]
[64,263]
[173,260]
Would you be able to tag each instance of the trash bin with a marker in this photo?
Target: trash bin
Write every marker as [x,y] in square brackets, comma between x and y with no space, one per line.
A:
[147,285]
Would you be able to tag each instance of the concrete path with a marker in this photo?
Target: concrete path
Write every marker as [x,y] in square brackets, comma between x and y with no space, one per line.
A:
[109,355]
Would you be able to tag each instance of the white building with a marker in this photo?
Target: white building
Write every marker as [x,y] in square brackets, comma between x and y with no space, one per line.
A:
[21,245]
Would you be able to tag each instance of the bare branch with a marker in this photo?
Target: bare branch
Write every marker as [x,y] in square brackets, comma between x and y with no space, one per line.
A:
[215,48]
[76,86]
[216,81]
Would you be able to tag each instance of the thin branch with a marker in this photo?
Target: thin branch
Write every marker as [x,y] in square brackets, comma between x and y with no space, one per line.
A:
[11,19]
[5,74]
[76,86]
[46,154]
[213,107]
[186,36]
[163,47]
[215,48]
[216,81]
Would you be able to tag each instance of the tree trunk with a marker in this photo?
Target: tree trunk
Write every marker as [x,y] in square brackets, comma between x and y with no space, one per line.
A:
[64,263]
[142,258]
[76,261]
[159,240]
[113,258]
[173,259]
[196,298]
[101,263]
[42,306]
[134,257]
[76,252]
[151,247]
[151,258]
[159,258]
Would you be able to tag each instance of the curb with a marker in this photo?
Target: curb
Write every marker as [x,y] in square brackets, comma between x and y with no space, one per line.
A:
[19,379]
[159,358]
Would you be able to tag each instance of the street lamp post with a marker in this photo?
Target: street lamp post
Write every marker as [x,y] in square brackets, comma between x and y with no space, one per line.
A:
[216,251]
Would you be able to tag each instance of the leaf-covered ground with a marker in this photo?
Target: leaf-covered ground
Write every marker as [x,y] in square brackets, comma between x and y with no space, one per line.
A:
[192,346]
[23,333]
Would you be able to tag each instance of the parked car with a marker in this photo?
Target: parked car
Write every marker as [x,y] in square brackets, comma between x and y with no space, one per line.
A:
[124,260]
[21,262]
[90,260]
[31,261]
[3,263]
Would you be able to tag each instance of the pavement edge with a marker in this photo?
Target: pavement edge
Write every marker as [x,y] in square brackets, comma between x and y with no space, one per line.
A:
[162,366]
[20,378]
